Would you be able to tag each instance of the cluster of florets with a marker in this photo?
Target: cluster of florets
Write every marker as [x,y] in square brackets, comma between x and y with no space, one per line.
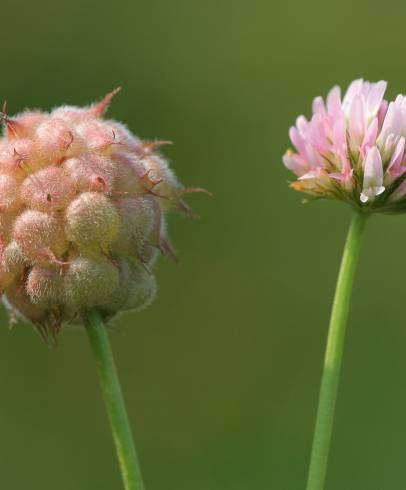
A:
[353,149]
[82,205]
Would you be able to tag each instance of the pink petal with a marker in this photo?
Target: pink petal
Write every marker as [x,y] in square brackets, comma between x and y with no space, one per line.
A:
[382,112]
[373,176]
[334,101]
[339,136]
[317,133]
[370,136]
[294,163]
[354,89]
[318,106]
[356,118]
[302,125]
[397,156]
[345,164]
[297,140]
[313,157]
[375,96]
[395,168]
[392,122]
[373,166]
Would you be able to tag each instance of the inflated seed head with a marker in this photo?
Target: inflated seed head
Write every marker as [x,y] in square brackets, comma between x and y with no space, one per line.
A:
[161,179]
[35,231]
[129,175]
[19,157]
[82,214]
[89,282]
[13,260]
[57,139]
[44,285]
[18,301]
[9,195]
[92,221]
[141,289]
[137,219]
[136,289]
[90,172]
[49,189]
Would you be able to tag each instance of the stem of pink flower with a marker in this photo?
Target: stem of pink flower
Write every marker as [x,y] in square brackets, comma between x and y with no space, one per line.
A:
[113,398]
[334,354]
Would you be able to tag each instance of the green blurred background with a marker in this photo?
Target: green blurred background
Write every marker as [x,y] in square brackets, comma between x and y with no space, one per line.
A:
[221,374]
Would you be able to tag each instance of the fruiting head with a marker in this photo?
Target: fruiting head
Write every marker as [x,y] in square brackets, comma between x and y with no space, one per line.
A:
[82,214]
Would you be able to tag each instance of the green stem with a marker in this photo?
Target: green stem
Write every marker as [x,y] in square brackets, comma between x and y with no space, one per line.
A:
[114,401]
[334,354]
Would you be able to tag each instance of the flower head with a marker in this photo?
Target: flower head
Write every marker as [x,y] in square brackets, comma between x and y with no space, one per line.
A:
[353,149]
[82,214]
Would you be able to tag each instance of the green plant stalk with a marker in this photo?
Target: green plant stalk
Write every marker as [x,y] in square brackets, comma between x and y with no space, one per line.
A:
[334,354]
[113,398]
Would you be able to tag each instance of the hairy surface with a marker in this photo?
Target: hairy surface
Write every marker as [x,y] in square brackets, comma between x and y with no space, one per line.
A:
[82,214]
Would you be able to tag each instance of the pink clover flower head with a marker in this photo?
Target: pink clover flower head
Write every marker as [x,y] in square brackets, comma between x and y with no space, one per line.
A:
[82,215]
[352,149]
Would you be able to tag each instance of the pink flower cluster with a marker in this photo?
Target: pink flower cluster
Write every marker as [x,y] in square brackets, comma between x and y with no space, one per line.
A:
[353,148]
[82,214]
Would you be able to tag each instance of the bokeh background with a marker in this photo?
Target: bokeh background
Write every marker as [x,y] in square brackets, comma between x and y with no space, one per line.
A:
[221,374]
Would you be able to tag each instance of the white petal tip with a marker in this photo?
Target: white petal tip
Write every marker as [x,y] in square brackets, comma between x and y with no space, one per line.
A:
[370,193]
[363,198]
[379,190]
